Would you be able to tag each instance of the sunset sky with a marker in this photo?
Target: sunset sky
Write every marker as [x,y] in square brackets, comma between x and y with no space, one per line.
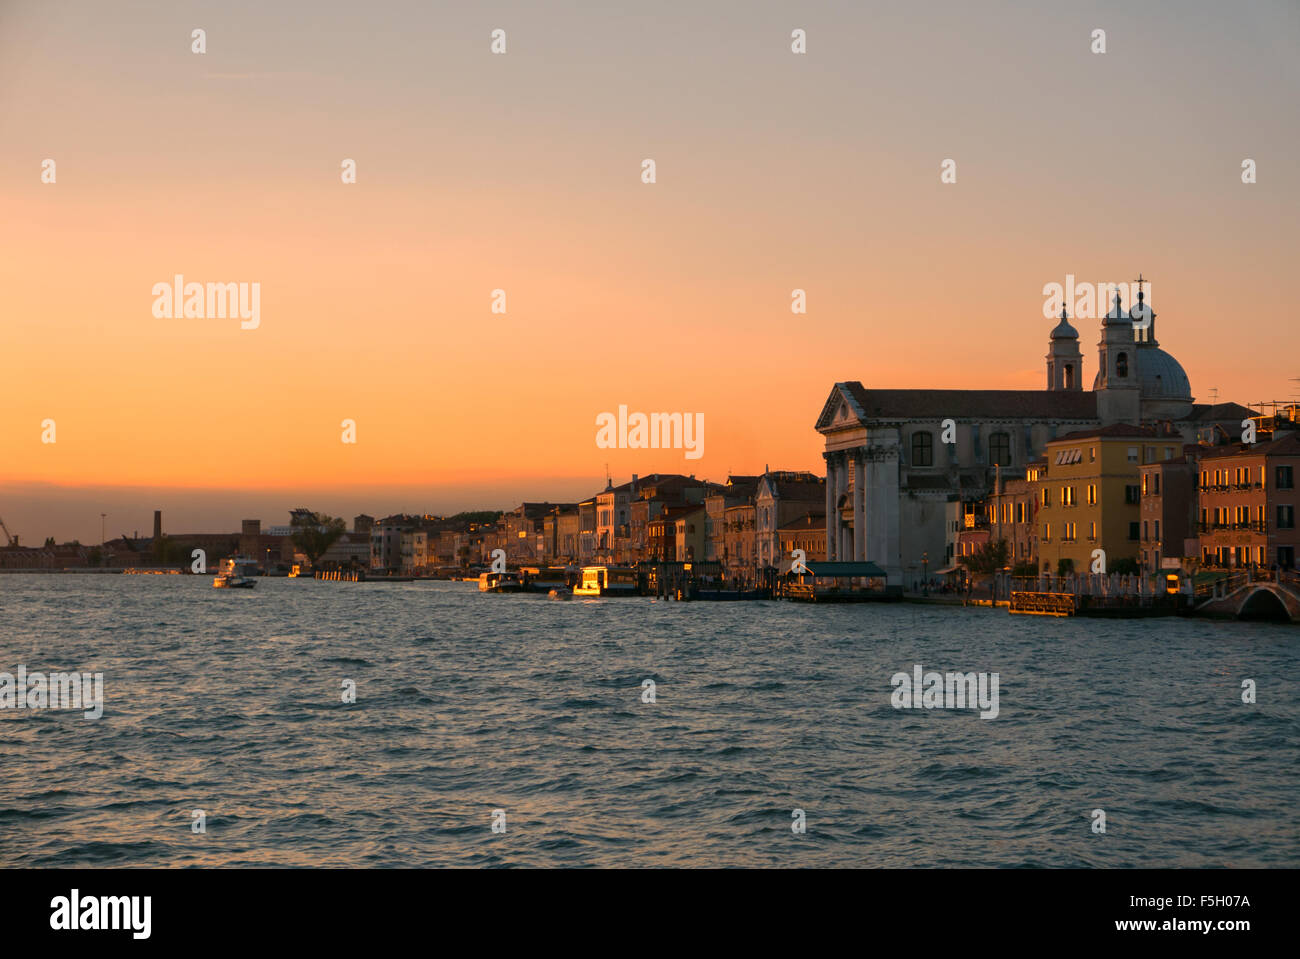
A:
[522,172]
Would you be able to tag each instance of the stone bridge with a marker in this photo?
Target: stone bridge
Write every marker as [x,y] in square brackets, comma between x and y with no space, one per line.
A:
[1253,597]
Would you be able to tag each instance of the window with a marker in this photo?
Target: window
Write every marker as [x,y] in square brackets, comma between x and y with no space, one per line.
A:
[1131,494]
[1121,365]
[1284,479]
[1071,530]
[1047,532]
[1092,494]
[1156,477]
[1157,529]
[1169,452]
[1047,496]
[1092,530]
[1069,376]
[1132,454]
[1020,512]
[1092,454]
[1133,530]
[1000,449]
[1286,517]
[922,449]
[1145,531]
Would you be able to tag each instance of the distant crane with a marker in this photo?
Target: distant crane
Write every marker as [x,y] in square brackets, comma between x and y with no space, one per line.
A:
[13,540]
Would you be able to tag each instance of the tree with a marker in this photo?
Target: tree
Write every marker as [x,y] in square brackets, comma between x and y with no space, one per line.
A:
[315,533]
[989,558]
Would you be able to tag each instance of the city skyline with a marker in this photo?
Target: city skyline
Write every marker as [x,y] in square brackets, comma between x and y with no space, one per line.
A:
[478,172]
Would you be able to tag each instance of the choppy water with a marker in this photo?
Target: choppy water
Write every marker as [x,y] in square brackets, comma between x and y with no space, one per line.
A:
[229,702]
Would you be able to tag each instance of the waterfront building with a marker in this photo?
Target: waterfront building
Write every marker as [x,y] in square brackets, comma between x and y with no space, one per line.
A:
[1247,502]
[895,457]
[587,532]
[414,550]
[652,497]
[739,554]
[525,531]
[350,549]
[781,497]
[612,521]
[688,534]
[1168,513]
[661,534]
[1090,495]
[1012,511]
[808,533]
[737,491]
[386,542]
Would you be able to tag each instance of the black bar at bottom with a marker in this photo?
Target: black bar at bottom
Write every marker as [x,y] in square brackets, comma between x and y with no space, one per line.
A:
[948,908]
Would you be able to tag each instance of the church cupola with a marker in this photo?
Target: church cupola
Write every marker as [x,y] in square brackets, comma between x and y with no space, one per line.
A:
[1118,385]
[1064,360]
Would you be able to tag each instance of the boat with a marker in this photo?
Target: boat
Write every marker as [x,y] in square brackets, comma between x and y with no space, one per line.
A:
[499,583]
[236,573]
[546,579]
[561,593]
[608,581]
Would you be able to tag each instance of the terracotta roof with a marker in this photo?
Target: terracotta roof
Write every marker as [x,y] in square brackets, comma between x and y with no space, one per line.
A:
[967,404]
[1116,429]
[1286,445]
[1220,412]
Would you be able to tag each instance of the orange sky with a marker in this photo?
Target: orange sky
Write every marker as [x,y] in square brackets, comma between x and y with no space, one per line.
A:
[521,172]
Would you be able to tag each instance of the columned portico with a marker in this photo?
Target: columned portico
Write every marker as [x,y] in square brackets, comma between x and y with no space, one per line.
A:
[859,506]
[831,505]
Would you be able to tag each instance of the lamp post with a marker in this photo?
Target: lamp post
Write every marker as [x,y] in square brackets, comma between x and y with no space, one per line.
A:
[925,574]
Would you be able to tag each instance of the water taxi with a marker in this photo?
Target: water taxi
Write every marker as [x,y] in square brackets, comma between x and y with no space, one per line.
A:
[236,573]
[500,583]
[608,581]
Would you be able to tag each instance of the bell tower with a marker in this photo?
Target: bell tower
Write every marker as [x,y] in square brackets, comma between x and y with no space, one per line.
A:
[1064,360]
[1119,390]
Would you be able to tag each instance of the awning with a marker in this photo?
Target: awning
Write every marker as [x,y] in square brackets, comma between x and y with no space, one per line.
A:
[845,570]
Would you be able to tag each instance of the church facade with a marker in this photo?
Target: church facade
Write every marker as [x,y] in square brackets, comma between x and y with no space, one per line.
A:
[896,459]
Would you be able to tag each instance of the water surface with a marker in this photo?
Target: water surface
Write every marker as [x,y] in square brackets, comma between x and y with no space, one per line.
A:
[230,702]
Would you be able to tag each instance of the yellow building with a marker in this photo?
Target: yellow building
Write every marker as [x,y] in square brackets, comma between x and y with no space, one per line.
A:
[1089,496]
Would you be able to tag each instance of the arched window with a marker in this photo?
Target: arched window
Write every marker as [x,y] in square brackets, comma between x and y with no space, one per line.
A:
[1121,365]
[1069,376]
[1000,448]
[922,449]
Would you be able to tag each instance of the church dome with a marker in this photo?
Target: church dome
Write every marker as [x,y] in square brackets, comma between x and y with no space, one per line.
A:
[1162,376]
[1064,331]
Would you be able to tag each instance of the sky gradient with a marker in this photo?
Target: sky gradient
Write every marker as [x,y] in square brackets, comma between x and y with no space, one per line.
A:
[522,172]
